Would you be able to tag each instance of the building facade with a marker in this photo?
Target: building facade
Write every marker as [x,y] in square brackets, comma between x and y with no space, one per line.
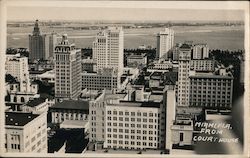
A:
[67,69]
[37,44]
[200,51]
[165,42]
[108,49]
[69,110]
[120,124]
[106,78]
[183,75]
[211,91]
[26,132]
[137,60]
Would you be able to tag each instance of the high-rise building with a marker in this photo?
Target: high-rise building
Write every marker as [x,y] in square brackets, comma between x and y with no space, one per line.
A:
[37,44]
[183,75]
[200,51]
[68,69]
[52,44]
[108,49]
[165,42]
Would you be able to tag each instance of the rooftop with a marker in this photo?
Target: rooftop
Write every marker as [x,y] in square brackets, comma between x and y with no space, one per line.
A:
[149,104]
[74,124]
[185,46]
[72,104]
[18,118]
[36,102]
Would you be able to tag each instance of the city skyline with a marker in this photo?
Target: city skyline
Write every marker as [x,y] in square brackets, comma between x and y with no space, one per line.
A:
[176,93]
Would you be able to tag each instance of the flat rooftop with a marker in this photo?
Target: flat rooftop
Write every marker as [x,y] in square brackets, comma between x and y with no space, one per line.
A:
[35,102]
[149,104]
[72,104]
[74,124]
[18,118]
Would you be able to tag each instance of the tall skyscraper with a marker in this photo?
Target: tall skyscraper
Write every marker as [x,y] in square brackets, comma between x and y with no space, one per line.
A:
[200,51]
[108,49]
[183,75]
[68,69]
[37,44]
[165,41]
[52,44]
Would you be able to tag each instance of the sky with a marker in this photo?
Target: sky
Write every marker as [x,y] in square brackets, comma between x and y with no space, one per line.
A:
[120,12]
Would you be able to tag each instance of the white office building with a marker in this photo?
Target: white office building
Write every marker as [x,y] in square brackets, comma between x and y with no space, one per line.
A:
[26,132]
[165,42]
[120,124]
[108,49]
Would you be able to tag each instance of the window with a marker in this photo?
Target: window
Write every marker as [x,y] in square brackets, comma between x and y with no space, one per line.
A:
[120,113]
[133,119]
[138,119]
[145,114]
[126,131]
[138,125]
[132,137]
[114,130]
[181,136]
[126,113]
[132,113]
[120,124]
[115,118]
[138,114]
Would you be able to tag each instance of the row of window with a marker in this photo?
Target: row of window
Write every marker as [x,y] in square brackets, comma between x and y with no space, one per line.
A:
[145,114]
[131,143]
[132,131]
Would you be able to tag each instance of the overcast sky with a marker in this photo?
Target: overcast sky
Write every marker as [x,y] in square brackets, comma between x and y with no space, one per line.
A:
[116,12]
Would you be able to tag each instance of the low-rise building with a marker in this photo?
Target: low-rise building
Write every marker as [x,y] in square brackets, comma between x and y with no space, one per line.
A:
[89,65]
[103,79]
[36,106]
[26,132]
[69,110]
[134,60]
[182,132]
[48,76]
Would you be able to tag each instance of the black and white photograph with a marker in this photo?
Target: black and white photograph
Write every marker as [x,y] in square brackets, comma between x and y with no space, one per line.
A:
[124,78]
